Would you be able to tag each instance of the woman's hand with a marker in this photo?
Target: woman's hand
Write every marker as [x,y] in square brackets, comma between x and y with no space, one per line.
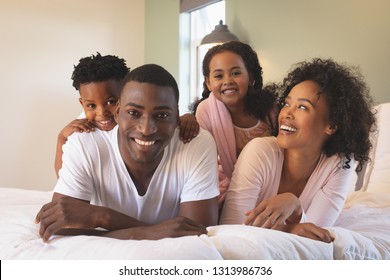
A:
[308,230]
[274,211]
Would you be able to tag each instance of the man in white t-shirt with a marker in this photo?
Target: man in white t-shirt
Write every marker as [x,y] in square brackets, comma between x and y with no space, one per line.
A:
[137,181]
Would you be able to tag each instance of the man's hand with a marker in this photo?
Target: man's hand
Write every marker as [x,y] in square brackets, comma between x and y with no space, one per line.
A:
[63,213]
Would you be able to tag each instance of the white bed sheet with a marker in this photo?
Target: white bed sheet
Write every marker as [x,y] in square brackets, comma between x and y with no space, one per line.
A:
[362,232]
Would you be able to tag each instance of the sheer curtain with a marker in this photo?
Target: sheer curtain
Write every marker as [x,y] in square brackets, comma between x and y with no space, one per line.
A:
[196,22]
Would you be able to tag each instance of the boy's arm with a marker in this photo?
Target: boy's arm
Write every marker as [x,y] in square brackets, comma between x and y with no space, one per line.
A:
[77,125]
[58,159]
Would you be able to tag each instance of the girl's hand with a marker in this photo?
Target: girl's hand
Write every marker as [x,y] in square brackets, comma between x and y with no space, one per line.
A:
[274,211]
[189,128]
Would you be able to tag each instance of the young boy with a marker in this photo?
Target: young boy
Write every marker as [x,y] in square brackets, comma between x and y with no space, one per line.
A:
[97,78]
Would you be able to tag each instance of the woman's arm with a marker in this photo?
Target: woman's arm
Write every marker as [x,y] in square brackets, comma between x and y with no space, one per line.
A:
[249,175]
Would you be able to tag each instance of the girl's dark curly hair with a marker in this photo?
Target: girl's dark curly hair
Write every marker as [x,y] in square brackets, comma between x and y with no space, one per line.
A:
[350,106]
[257,102]
[98,68]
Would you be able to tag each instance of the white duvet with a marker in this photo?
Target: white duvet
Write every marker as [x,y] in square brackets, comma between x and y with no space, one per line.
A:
[361,232]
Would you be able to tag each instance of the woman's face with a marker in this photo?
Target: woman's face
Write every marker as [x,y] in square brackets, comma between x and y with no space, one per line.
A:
[228,78]
[303,120]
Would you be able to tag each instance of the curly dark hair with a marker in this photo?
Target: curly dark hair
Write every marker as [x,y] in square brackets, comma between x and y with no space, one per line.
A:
[257,102]
[349,103]
[98,68]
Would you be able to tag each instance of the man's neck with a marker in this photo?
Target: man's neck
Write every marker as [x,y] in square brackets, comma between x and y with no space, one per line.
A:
[141,179]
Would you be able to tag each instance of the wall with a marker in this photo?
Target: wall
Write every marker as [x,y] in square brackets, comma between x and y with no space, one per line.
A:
[41,41]
[285,32]
[162,36]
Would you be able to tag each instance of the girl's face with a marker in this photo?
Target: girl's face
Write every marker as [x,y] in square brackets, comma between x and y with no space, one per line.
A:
[99,102]
[303,120]
[228,79]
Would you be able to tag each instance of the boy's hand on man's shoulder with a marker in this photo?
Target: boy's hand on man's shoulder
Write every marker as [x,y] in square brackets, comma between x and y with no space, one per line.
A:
[77,125]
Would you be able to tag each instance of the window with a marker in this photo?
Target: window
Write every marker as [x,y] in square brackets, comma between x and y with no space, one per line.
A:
[194,25]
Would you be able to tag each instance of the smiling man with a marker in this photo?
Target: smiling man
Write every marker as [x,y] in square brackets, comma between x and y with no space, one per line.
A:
[138,181]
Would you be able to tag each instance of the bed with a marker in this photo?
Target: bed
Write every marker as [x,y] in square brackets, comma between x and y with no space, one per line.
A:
[361,232]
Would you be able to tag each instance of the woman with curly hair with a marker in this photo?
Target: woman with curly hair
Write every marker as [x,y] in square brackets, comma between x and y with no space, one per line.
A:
[234,107]
[298,181]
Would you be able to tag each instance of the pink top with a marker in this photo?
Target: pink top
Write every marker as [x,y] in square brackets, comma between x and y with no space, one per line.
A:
[244,135]
[257,176]
[212,115]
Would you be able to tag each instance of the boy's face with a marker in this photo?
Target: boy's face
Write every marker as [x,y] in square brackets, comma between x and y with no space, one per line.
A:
[147,116]
[99,101]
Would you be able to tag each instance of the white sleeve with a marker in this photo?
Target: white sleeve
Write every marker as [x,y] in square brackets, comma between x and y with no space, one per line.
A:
[75,178]
[201,168]
[82,115]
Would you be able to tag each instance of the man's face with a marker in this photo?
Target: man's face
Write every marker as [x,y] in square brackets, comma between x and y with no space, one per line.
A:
[147,116]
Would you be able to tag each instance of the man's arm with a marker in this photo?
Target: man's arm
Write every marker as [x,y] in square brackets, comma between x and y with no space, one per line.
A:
[70,216]
[65,212]
[176,227]
[204,212]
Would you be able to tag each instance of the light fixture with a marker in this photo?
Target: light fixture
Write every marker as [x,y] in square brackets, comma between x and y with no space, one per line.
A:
[220,34]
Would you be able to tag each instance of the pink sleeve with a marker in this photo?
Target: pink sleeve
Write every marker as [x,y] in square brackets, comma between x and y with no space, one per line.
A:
[213,116]
[326,191]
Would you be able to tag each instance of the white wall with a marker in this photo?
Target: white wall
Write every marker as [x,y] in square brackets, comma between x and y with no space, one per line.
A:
[284,32]
[41,41]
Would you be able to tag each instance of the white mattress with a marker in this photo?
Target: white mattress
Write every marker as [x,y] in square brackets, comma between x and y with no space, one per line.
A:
[362,232]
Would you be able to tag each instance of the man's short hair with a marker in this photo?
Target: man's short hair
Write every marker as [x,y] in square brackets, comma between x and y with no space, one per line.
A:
[153,74]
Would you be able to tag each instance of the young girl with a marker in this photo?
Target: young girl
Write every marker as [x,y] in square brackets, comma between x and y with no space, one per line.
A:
[234,107]
[305,173]
[98,78]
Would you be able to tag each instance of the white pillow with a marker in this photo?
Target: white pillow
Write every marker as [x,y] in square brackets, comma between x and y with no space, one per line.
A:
[240,242]
[377,173]
[19,237]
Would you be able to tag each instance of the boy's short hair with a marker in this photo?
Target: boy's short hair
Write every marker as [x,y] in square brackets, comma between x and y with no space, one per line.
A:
[153,74]
[98,68]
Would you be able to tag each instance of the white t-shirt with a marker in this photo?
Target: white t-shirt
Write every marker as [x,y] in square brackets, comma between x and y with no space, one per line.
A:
[93,170]
[257,175]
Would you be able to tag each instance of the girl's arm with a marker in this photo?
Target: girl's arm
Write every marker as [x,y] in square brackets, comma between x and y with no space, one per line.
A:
[189,127]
